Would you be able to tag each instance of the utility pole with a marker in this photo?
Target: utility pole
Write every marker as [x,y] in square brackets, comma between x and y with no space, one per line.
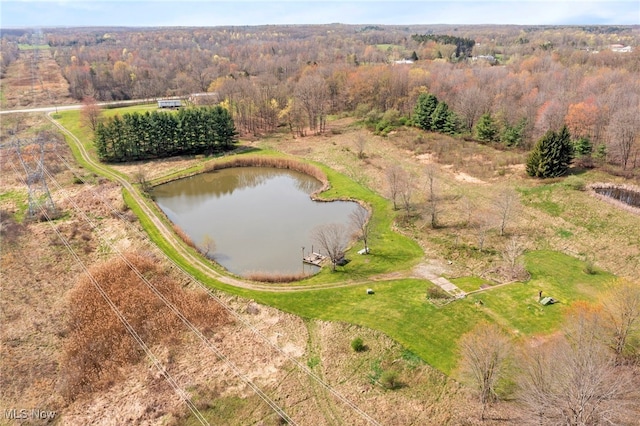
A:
[31,155]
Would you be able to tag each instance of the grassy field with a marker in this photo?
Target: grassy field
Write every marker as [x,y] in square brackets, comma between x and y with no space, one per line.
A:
[23,46]
[401,310]
[399,307]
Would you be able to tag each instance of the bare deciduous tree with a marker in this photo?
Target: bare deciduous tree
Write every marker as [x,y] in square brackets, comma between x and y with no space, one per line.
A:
[484,352]
[621,306]
[313,94]
[432,197]
[468,207]
[90,113]
[140,177]
[208,246]
[482,226]
[572,379]
[360,219]
[513,249]
[361,144]
[395,178]
[623,132]
[332,239]
[506,204]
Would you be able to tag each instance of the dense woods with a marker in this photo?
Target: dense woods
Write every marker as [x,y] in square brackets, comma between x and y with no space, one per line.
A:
[540,78]
[163,134]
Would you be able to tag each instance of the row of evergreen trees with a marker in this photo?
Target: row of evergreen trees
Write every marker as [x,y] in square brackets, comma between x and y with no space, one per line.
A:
[161,134]
[435,116]
[488,130]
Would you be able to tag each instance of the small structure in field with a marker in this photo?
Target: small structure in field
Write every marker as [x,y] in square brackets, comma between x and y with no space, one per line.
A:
[547,301]
[169,103]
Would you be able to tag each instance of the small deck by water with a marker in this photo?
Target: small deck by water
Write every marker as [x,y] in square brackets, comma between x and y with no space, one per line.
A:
[314,259]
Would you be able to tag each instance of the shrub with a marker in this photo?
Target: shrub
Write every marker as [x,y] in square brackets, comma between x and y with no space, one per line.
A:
[389,379]
[436,292]
[358,345]
[589,267]
[575,183]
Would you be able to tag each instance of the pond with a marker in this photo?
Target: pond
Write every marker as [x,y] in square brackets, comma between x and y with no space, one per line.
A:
[627,196]
[260,218]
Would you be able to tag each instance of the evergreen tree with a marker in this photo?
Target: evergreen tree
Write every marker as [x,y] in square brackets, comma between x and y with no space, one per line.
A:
[443,120]
[100,141]
[486,129]
[582,147]
[424,109]
[512,135]
[551,155]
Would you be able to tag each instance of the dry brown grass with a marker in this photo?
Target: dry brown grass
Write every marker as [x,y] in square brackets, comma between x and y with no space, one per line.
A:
[98,344]
[275,277]
[19,89]
[183,236]
[279,163]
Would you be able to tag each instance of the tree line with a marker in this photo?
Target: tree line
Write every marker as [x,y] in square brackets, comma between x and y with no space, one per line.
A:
[297,76]
[161,134]
[464,46]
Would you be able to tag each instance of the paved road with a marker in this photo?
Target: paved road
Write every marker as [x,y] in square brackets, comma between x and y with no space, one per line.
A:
[57,108]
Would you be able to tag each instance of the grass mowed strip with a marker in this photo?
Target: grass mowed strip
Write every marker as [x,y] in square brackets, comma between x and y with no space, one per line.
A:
[400,308]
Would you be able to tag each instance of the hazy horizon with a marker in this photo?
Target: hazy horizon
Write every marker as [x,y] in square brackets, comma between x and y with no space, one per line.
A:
[194,13]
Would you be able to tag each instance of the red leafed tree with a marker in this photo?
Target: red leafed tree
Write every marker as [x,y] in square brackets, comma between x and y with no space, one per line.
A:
[90,113]
[581,118]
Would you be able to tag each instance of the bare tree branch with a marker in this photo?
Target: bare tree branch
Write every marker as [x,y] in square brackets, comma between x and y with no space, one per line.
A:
[361,221]
[332,239]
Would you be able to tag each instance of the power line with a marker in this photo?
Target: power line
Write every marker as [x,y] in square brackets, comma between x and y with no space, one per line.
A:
[180,315]
[39,195]
[132,332]
[305,369]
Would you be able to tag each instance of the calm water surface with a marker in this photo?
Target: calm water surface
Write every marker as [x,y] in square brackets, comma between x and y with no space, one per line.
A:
[259,217]
[627,196]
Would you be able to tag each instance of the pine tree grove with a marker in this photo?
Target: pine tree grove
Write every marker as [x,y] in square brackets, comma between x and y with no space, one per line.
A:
[162,134]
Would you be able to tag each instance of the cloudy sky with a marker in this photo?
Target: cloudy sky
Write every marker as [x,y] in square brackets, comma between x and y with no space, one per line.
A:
[39,13]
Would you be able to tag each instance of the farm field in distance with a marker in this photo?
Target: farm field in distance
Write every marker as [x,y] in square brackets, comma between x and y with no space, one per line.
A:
[467,214]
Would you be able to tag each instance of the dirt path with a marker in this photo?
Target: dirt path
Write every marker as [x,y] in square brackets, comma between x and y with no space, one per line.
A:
[323,399]
[195,261]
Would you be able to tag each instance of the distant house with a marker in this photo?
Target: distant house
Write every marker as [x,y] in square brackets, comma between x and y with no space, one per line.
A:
[619,48]
[489,58]
[403,61]
[169,103]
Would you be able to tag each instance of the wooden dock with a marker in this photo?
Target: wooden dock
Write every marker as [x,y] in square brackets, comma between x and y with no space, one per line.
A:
[314,259]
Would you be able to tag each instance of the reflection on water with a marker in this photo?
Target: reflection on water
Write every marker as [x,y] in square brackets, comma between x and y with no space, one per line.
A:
[259,217]
[627,196]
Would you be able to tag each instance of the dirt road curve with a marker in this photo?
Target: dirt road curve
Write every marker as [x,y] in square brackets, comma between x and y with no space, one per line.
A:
[178,245]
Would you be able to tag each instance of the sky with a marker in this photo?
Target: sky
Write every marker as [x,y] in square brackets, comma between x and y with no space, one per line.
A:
[151,13]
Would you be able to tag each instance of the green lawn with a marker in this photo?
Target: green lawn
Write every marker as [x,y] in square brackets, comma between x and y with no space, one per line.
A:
[23,46]
[399,308]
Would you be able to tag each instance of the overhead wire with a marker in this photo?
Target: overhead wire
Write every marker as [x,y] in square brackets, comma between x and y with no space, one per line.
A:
[128,327]
[304,368]
[206,341]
